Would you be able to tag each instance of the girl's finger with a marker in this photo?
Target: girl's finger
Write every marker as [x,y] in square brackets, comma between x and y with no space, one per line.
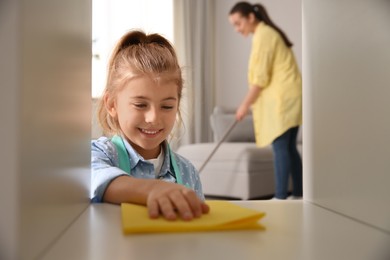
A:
[205,208]
[167,208]
[153,209]
[193,201]
[181,204]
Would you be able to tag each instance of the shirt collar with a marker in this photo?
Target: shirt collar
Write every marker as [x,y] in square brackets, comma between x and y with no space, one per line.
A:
[135,158]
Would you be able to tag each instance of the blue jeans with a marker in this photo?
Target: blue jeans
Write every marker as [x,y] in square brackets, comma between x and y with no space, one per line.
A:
[287,160]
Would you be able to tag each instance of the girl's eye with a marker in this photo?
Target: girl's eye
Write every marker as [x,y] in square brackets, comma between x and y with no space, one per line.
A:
[167,107]
[140,105]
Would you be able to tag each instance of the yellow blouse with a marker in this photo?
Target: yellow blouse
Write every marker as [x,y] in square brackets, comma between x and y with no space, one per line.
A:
[272,67]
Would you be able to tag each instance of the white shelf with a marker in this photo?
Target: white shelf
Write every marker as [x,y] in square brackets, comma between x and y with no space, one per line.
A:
[294,230]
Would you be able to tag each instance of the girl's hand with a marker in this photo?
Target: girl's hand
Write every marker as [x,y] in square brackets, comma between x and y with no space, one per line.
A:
[171,200]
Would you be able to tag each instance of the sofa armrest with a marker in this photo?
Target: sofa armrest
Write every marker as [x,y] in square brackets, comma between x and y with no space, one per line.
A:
[223,118]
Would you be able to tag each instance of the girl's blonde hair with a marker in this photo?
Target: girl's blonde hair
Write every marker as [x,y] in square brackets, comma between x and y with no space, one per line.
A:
[138,54]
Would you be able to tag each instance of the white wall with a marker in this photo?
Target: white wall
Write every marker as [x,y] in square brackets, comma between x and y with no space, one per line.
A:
[45,108]
[232,49]
[346,108]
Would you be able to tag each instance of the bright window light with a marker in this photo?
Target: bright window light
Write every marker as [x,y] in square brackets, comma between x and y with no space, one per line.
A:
[111,19]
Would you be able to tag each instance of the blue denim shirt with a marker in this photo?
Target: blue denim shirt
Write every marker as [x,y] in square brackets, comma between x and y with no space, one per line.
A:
[105,168]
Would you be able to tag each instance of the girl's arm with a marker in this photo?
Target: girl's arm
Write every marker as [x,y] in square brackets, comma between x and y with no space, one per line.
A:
[160,197]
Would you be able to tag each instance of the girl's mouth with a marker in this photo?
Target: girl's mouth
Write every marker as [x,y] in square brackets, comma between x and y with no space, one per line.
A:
[149,132]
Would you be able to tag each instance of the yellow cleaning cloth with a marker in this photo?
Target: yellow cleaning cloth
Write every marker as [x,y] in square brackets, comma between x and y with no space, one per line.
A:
[223,215]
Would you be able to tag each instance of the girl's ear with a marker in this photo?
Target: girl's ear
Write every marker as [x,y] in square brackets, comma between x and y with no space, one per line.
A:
[110,105]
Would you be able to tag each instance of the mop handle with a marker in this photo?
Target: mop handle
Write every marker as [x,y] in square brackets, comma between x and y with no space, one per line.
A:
[217,146]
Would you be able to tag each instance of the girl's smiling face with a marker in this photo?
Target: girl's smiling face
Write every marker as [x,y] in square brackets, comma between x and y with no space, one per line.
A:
[146,110]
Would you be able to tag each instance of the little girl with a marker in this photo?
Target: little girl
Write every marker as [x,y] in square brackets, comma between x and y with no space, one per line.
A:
[138,110]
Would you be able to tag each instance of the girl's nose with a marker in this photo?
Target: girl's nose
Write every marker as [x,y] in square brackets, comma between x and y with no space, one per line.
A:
[151,116]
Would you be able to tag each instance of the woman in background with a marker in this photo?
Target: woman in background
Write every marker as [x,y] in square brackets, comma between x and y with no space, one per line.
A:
[275,93]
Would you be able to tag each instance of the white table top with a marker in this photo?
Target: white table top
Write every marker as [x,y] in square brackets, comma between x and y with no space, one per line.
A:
[294,230]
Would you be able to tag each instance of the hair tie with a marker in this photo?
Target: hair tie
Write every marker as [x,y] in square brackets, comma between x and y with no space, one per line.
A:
[255,8]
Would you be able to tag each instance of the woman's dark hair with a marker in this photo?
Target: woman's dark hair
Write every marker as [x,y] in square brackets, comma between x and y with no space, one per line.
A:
[245,8]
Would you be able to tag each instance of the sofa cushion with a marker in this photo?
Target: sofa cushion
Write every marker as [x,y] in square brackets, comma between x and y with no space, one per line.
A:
[237,170]
[221,120]
[230,157]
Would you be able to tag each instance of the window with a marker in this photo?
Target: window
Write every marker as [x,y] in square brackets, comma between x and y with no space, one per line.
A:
[111,19]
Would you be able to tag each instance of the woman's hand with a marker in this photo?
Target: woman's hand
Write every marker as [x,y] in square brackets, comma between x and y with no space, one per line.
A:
[241,112]
[251,96]
[171,200]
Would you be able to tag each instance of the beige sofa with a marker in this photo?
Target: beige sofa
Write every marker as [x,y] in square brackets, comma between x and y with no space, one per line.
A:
[238,169]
